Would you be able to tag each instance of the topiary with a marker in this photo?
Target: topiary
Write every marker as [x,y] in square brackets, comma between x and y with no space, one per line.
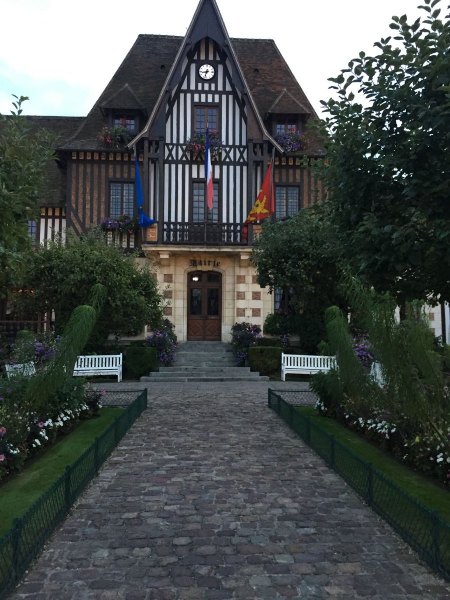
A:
[139,360]
[265,359]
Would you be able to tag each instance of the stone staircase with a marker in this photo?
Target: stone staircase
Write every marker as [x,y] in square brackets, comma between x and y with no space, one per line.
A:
[204,361]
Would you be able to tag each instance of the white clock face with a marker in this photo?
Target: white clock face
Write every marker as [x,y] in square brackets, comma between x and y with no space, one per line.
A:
[206,71]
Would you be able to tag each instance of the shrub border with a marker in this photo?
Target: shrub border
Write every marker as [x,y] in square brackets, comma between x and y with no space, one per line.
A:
[423,529]
[26,538]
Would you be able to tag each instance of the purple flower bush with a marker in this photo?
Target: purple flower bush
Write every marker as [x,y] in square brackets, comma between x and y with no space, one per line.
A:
[243,335]
[36,348]
[124,223]
[290,142]
[362,350]
[165,342]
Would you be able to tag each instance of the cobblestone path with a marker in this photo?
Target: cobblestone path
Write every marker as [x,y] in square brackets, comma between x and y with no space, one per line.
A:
[211,496]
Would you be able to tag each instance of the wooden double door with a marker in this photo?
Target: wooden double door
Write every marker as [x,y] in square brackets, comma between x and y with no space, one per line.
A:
[204,320]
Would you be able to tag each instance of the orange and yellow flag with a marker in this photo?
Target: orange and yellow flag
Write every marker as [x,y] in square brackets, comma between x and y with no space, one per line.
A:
[264,204]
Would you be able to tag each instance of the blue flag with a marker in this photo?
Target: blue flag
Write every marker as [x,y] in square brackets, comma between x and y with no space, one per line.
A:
[208,173]
[143,219]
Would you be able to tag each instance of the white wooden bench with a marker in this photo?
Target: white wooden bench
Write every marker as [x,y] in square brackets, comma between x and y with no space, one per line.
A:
[377,375]
[26,369]
[305,364]
[100,364]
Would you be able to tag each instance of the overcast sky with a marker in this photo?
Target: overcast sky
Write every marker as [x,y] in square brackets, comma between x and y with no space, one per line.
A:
[62,54]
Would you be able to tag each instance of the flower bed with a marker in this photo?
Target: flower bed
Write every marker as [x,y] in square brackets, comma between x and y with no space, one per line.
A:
[113,137]
[419,526]
[290,142]
[25,432]
[124,224]
[23,542]
[196,144]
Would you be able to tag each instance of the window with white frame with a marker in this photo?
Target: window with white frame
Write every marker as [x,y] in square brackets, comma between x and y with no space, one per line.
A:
[200,212]
[287,201]
[121,199]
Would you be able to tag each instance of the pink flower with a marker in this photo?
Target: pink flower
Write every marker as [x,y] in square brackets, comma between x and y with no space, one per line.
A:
[2,431]
[41,424]
[2,458]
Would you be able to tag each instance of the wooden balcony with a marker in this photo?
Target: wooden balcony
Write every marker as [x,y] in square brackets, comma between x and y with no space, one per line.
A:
[206,234]
[9,328]
[127,240]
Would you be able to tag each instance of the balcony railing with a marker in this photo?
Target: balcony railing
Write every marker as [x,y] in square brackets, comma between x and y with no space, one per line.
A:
[127,240]
[9,329]
[217,234]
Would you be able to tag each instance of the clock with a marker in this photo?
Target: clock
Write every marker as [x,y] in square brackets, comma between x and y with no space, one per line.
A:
[206,71]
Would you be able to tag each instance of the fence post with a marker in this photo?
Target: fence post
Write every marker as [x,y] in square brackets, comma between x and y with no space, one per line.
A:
[308,431]
[370,485]
[332,451]
[435,540]
[96,455]
[67,494]
[291,415]
[16,536]
[116,431]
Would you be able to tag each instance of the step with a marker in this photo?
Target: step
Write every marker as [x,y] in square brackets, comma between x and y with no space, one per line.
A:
[205,379]
[204,369]
[205,346]
[207,374]
[205,362]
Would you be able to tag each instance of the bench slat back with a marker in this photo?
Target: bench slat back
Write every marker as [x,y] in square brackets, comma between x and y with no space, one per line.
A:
[26,369]
[105,361]
[307,361]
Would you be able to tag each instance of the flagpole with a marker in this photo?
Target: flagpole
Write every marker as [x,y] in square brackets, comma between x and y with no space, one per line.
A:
[140,229]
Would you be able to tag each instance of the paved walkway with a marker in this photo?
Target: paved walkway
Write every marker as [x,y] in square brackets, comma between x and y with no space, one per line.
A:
[211,496]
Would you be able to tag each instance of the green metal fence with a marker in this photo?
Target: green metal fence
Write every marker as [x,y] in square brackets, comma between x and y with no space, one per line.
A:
[420,527]
[23,542]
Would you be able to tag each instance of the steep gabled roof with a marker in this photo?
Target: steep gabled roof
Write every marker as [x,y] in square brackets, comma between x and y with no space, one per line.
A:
[144,72]
[55,182]
[125,98]
[144,69]
[286,103]
[207,22]
[268,74]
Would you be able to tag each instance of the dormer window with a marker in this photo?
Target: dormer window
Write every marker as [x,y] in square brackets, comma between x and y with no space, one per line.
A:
[126,121]
[286,127]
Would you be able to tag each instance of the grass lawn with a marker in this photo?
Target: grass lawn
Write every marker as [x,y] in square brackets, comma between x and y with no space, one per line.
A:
[19,493]
[422,489]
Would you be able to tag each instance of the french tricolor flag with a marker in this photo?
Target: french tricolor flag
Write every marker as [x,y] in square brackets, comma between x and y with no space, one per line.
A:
[208,174]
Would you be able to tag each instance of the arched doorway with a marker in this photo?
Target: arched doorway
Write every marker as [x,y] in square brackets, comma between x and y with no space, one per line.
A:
[204,305]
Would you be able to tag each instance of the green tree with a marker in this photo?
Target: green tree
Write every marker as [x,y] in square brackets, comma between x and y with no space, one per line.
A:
[388,165]
[23,157]
[301,254]
[62,276]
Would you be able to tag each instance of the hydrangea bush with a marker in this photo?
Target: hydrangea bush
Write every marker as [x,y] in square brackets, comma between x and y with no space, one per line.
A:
[37,348]
[164,340]
[244,335]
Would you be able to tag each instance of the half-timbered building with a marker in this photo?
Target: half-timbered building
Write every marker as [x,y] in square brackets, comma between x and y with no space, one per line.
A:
[163,97]
[165,94]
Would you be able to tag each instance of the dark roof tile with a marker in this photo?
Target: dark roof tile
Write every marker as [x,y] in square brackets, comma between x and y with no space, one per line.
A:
[144,70]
